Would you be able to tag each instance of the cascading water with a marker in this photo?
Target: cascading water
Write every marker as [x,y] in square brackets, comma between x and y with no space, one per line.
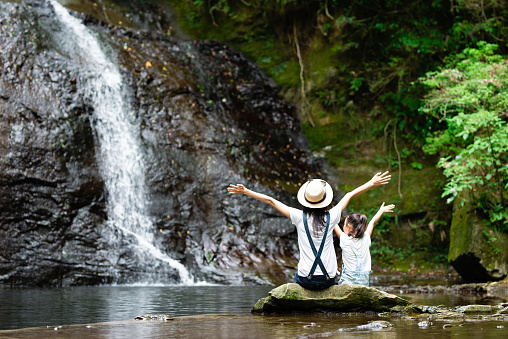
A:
[119,153]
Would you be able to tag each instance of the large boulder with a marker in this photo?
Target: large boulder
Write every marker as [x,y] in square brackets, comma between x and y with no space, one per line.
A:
[340,298]
[478,252]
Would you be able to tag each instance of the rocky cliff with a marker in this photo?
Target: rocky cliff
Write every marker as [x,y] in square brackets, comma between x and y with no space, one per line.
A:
[205,117]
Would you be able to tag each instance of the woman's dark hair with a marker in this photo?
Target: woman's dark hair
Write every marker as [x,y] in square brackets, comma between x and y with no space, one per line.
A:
[318,218]
[358,222]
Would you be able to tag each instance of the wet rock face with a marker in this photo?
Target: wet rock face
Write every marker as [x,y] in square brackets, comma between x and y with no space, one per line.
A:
[47,167]
[207,117]
[477,251]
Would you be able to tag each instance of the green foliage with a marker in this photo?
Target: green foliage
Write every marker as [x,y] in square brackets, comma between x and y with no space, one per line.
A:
[387,44]
[492,241]
[416,165]
[327,98]
[470,95]
[410,255]
[483,18]
[378,47]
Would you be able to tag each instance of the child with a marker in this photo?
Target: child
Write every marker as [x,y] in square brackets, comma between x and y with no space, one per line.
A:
[355,243]
[316,268]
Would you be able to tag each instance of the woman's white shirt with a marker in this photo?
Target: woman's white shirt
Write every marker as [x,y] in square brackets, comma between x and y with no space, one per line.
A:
[328,256]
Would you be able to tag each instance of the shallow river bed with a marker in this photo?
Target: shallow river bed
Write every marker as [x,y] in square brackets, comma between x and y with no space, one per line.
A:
[211,312]
[245,325]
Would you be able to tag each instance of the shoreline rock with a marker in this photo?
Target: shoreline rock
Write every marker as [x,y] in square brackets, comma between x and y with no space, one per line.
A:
[497,288]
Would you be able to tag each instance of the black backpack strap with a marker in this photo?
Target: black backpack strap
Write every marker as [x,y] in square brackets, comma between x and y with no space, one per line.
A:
[317,254]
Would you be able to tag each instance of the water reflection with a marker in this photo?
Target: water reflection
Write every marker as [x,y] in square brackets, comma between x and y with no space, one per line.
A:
[64,306]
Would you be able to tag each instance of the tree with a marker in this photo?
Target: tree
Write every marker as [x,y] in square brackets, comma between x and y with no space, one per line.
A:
[470,94]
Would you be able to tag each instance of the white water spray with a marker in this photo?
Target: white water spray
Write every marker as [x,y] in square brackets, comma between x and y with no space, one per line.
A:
[119,146]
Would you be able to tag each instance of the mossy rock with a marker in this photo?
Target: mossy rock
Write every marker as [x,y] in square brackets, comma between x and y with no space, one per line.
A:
[478,252]
[406,310]
[339,298]
[503,310]
[477,309]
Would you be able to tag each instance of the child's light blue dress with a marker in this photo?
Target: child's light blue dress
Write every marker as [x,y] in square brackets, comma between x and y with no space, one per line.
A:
[356,260]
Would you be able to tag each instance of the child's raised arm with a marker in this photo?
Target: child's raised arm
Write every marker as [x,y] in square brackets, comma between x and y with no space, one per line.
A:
[338,231]
[241,189]
[377,180]
[377,216]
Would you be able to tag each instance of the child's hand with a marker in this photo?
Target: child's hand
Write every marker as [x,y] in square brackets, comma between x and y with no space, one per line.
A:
[387,208]
[377,216]
[236,189]
[380,179]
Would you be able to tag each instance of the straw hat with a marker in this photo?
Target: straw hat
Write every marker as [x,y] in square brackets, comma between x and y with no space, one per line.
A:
[315,193]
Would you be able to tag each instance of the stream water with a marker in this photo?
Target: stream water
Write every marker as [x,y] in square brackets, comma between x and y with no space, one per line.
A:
[207,312]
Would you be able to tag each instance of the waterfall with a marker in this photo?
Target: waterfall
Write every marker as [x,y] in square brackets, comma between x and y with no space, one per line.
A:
[119,150]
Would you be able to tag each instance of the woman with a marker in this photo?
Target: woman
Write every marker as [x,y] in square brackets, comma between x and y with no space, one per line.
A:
[318,263]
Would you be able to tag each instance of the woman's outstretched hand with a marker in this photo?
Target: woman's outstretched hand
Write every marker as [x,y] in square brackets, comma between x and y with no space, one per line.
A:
[380,179]
[236,189]
[387,208]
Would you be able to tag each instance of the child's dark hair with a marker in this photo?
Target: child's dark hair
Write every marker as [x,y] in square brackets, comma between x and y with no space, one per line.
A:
[319,216]
[358,221]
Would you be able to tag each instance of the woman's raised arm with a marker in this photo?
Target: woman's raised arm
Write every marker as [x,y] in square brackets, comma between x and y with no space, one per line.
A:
[241,189]
[377,180]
